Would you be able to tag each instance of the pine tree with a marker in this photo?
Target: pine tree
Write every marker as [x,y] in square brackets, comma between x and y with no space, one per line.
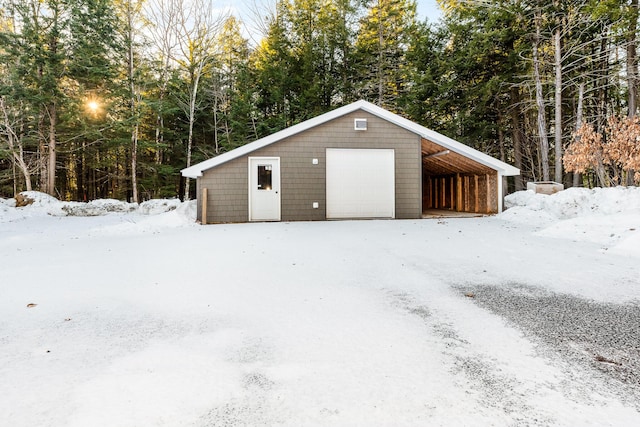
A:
[271,63]
[382,43]
[232,110]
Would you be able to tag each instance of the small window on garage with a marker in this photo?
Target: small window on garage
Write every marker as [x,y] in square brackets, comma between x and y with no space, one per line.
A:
[264,177]
[360,124]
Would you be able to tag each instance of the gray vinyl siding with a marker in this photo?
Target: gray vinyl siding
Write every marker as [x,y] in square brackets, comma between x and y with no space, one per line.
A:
[303,183]
[227,189]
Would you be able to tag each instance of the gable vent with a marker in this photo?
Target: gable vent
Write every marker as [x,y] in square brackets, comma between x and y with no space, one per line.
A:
[360,124]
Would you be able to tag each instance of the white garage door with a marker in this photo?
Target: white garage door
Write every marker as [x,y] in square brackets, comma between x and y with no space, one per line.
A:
[360,183]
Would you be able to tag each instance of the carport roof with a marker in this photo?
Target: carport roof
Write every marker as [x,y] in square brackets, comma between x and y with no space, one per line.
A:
[442,140]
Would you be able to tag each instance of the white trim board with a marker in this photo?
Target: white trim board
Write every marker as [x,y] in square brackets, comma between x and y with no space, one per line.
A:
[502,168]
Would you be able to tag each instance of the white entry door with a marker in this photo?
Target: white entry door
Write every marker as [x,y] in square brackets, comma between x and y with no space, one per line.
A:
[264,189]
[360,183]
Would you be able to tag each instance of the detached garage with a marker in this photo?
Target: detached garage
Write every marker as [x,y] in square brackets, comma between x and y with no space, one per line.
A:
[358,161]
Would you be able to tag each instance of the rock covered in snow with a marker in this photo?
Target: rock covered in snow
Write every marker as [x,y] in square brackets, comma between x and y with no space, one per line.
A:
[30,203]
[98,207]
[39,199]
[157,206]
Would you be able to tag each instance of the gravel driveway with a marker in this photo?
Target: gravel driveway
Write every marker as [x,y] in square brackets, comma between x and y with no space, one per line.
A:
[603,338]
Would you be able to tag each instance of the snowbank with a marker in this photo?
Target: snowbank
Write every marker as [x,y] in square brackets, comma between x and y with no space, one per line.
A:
[175,215]
[41,204]
[97,207]
[576,202]
[7,209]
[607,216]
[157,206]
[7,203]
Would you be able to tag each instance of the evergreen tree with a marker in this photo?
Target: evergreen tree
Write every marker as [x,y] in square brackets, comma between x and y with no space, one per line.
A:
[382,44]
[232,106]
[271,63]
[92,65]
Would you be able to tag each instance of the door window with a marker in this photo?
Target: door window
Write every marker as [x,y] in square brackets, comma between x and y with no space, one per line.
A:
[264,177]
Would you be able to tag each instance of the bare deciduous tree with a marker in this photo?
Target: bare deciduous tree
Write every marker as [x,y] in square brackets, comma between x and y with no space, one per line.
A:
[197,26]
[164,15]
[612,155]
[537,77]
[10,131]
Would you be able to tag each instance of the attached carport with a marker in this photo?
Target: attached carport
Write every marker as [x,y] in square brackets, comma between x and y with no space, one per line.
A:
[456,182]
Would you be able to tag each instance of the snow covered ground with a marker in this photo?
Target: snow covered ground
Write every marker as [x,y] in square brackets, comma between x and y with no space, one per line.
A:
[136,316]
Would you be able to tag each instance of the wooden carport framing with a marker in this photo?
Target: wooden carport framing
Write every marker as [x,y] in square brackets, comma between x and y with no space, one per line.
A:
[452,181]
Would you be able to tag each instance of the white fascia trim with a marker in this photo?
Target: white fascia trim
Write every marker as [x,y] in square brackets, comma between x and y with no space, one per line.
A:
[500,193]
[196,171]
[446,142]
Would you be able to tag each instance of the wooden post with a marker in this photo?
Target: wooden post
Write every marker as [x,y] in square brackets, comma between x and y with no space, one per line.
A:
[475,201]
[443,189]
[489,198]
[458,193]
[467,194]
[452,192]
[204,207]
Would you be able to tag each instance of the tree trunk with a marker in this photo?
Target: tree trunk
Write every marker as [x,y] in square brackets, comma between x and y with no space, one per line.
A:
[215,121]
[134,164]
[601,109]
[579,115]
[632,65]
[192,118]
[19,160]
[380,57]
[516,127]
[14,140]
[632,70]
[159,130]
[542,121]
[51,164]
[558,100]
[134,112]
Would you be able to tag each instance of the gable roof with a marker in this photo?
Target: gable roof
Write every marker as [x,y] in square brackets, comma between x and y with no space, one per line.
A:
[446,142]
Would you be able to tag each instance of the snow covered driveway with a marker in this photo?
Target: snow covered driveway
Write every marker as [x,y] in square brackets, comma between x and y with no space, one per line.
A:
[370,323]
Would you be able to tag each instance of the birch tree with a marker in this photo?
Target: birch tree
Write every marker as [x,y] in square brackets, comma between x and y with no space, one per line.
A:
[164,16]
[197,25]
[632,57]
[11,118]
[557,44]
[11,132]
[540,99]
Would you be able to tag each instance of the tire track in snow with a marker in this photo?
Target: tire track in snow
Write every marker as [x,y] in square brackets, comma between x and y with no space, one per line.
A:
[254,405]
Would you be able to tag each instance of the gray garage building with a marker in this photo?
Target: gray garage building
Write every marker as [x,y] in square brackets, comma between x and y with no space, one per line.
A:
[358,161]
